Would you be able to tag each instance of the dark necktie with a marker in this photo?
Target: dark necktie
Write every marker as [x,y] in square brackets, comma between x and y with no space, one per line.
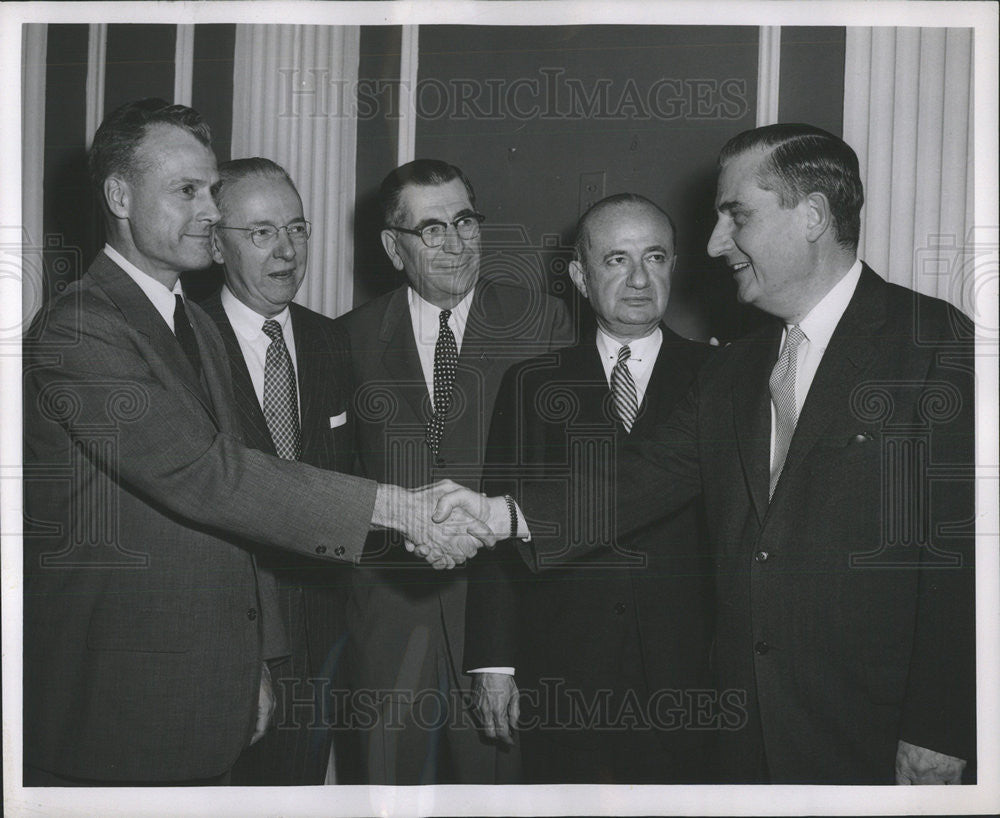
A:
[623,390]
[281,404]
[445,362]
[782,386]
[185,335]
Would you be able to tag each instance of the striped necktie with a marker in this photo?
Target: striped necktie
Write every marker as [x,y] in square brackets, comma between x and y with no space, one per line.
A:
[623,390]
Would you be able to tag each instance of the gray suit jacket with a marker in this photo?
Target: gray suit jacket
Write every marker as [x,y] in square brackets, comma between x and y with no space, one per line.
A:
[142,647]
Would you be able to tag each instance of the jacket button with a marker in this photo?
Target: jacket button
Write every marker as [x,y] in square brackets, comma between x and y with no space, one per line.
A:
[761,648]
[251,614]
[761,556]
[339,551]
[320,549]
[619,608]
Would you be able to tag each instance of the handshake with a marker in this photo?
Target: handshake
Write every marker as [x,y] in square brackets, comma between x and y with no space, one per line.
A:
[444,523]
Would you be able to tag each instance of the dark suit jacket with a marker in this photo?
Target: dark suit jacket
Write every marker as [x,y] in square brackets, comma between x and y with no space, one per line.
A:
[845,617]
[142,632]
[632,623]
[392,407]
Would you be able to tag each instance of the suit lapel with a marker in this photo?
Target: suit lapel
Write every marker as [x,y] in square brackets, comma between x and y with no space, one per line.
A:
[251,417]
[752,414]
[850,353]
[142,316]
[399,353]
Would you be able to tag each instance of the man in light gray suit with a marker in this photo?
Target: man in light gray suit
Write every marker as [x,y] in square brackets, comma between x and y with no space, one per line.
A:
[143,618]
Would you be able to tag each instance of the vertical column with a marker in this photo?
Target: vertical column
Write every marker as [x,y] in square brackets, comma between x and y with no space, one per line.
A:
[768,74]
[409,56]
[97,51]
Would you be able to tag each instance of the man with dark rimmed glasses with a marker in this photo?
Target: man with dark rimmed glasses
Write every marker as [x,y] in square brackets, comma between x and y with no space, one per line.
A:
[427,359]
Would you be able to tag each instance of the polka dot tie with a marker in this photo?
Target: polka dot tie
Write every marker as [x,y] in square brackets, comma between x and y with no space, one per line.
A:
[623,391]
[445,363]
[281,405]
[782,386]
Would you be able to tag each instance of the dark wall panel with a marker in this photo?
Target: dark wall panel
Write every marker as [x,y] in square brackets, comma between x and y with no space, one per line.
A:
[212,82]
[70,220]
[547,119]
[811,83]
[378,130]
[140,63]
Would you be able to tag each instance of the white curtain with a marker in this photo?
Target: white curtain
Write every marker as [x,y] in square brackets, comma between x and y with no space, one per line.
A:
[908,114]
[293,102]
[34,50]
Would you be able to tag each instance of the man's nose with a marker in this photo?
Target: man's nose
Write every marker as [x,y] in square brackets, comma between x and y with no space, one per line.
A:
[283,246]
[719,243]
[209,213]
[453,242]
[638,276]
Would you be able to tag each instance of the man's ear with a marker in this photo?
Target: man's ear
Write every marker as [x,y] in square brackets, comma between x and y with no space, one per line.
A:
[217,256]
[579,277]
[819,216]
[389,243]
[118,196]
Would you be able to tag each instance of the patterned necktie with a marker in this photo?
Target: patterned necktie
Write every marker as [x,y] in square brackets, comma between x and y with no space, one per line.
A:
[782,386]
[445,362]
[623,390]
[185,335]
[281,404]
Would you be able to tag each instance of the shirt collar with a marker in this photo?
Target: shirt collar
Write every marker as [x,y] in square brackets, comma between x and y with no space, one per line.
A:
[248,323]
[426,318]
[161,298]
[640,348]
[821,321]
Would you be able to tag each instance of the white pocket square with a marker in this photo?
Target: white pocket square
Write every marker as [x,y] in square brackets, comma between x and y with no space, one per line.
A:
[338,420]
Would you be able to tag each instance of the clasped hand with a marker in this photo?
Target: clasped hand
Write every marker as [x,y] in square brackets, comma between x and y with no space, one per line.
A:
[443,539]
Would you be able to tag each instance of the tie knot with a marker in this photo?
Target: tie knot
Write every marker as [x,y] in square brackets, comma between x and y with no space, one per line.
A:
[624,354]
[443,319]
[794,337]
[272,329]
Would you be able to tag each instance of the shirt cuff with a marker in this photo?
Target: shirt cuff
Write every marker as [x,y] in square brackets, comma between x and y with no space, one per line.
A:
[507,671]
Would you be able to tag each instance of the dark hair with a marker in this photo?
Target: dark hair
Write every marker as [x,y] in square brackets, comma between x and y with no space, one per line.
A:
[803,159]
[123,130]
[417,172]
[616,200]
[255,166]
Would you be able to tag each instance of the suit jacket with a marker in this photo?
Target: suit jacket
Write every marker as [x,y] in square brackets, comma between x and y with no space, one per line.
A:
[845,615]
[635,623]
[506,324]
[142,631]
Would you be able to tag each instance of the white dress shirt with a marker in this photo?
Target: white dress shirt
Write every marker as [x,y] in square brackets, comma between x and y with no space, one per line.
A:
[426,321]
[818,327]
[249,328]
[162,299]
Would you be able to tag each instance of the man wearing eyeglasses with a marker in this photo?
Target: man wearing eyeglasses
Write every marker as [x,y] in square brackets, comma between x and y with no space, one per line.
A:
[262,243]
[427,359]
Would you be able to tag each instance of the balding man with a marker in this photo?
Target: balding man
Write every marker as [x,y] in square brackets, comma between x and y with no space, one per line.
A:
[609,652]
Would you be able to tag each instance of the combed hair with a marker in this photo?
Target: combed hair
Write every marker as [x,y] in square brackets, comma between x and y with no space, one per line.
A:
[583,225]
[418,172]
[122,131]
[803,159]
[254,166]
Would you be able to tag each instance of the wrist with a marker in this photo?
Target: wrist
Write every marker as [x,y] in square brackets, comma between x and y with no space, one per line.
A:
[499,517]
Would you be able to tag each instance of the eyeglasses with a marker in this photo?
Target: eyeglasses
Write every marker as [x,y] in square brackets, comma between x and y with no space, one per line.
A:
[266,235]
[433,234]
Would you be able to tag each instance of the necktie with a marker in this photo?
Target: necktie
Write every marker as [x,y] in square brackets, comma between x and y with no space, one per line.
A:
[281,405]
[185,335]
[445,362]
[623,390]
[782,386]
